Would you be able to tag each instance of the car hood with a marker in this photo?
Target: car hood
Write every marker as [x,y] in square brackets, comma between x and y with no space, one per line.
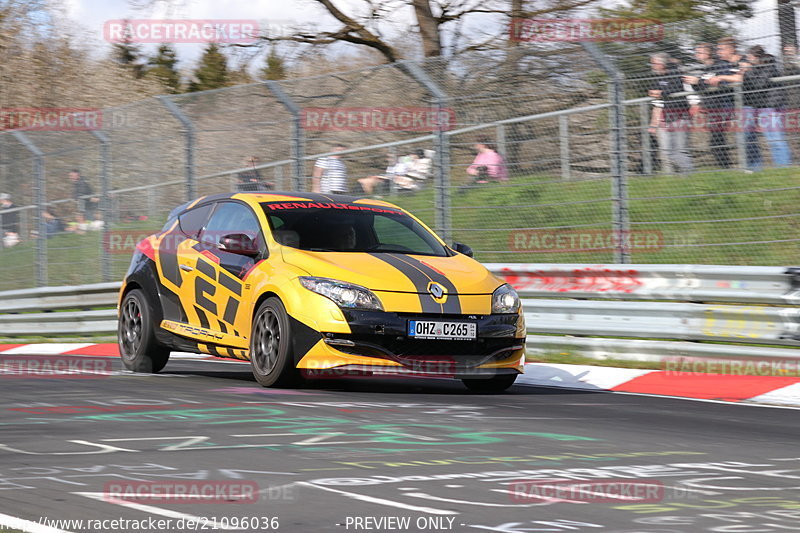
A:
[396,272]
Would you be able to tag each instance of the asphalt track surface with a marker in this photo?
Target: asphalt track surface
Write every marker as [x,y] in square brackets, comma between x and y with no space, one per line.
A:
[370,454]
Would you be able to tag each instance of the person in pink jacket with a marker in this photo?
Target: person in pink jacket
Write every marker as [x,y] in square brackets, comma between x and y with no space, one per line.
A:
[488,164]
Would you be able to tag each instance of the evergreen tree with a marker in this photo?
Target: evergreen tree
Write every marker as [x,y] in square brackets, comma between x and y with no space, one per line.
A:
[212,72]
[162,68]
[275,68]
[666,11]
[129,55]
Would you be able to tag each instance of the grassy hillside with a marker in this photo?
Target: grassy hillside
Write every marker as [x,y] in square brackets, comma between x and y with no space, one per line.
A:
[710,218]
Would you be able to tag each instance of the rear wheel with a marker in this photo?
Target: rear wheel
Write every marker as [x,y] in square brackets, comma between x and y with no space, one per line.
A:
[138,347]
[271,353]
[490,385]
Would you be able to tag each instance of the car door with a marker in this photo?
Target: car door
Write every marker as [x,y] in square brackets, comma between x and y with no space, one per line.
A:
[221,295]
[175,248]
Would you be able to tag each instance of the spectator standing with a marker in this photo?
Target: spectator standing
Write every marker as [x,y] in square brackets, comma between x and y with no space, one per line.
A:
[83,194]
[9,221]
[250,180]
[716,103]
[732,67]
[670,115]
[488,165]
[330,174]
[768,98]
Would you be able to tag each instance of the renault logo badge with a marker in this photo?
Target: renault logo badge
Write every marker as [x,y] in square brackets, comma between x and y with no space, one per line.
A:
[436,290]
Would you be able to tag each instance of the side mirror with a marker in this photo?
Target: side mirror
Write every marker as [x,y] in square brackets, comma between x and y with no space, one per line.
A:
[239,243]
[463,249]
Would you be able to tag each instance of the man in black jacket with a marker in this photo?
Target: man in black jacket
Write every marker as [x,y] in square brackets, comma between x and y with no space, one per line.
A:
[717,102]
[670,115]
[83,194]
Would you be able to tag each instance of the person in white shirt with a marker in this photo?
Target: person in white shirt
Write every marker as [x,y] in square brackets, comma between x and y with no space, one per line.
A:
[330,174]
[420,166]
[394,169]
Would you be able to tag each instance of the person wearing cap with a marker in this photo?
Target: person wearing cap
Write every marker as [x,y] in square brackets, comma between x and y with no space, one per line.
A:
[9,222]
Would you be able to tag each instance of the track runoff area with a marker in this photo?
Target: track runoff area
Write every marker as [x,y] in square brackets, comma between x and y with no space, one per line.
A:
[202,447]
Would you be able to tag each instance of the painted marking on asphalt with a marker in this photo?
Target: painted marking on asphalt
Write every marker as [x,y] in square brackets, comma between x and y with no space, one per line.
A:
[13,522]
[44,349]
[381,501]
[100,497]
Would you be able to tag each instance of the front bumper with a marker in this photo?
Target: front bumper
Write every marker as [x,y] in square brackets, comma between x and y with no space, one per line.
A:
[379,340]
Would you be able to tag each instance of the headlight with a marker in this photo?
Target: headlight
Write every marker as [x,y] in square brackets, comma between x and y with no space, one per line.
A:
[343,294]
[505,300]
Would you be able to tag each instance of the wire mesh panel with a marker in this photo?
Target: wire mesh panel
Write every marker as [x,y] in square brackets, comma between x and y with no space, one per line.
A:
[539,151]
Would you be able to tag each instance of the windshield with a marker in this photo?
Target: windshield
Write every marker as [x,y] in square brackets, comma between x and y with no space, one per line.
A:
[326,227]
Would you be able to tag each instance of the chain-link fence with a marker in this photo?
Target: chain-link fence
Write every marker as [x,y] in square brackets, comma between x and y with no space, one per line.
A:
[578,160]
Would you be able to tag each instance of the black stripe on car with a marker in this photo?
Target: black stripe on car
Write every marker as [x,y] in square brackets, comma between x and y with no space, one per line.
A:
[417,277]
[201,315]
[452,305]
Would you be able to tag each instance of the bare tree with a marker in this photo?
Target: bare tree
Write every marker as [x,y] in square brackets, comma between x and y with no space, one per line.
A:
[430,19]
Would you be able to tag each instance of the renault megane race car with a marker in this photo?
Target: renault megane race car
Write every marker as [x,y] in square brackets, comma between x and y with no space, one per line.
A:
[298,283]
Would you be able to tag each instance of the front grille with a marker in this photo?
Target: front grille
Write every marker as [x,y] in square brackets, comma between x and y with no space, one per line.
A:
[416,352]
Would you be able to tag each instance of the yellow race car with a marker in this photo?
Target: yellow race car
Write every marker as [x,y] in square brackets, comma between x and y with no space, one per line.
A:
[304,284]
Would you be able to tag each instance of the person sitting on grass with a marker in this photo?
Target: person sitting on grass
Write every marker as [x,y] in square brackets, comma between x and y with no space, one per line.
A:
[394,170]
[488,164]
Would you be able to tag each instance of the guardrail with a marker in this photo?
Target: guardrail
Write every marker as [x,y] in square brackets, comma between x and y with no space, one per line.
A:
[644,312]
[648,312]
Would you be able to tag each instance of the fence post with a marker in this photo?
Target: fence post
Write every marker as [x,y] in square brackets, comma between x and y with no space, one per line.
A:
[105,263]
[298,135]
[501,141]
[443,221]
[647,153]
[41,225]
[188,131]
[563,141]
[741,140]
[619,156]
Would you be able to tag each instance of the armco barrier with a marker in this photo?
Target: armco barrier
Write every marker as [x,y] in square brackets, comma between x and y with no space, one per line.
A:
[645,312]
[649,312]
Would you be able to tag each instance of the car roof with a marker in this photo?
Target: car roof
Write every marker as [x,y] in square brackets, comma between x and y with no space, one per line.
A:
[282,196]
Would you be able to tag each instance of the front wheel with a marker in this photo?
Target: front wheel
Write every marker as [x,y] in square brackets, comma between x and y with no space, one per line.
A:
[271,355]
[138,347]
[491,385]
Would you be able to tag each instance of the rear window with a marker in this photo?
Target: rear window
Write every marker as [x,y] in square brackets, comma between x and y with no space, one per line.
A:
[349,228]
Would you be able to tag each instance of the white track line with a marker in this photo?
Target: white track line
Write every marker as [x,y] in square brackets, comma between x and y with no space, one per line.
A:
[13,522]
[380,501]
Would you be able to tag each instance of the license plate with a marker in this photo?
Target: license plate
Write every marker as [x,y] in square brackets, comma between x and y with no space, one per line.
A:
[431,329]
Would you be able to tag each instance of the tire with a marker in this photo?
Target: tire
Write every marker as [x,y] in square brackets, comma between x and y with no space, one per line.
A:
[491,385]
[271,355]
[138,348]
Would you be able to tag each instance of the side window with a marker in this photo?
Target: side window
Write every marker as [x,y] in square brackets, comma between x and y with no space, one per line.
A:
[231,217]
[191,222]
[392,232]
